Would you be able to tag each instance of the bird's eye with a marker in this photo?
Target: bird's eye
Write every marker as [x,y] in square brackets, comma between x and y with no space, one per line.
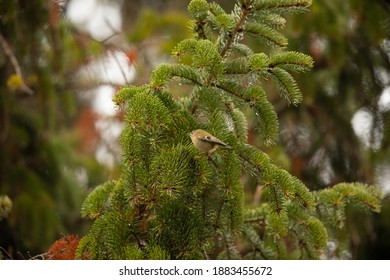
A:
[208,137]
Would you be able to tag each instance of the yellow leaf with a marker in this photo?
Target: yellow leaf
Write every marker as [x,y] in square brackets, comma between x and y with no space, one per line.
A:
[14,82]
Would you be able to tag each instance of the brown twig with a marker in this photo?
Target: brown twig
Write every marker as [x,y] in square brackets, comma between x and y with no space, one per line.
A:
[8,52]
[236,30]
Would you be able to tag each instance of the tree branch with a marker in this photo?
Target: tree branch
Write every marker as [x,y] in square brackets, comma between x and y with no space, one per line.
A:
[8,52]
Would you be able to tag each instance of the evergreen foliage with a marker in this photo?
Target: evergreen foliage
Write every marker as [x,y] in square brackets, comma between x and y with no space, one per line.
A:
[171,202]
[323,144]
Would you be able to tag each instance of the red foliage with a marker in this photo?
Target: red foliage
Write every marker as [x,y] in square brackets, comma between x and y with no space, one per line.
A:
[86,129]
[64,248]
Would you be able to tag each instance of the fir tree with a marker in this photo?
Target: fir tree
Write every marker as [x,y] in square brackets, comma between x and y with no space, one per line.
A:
[173,202]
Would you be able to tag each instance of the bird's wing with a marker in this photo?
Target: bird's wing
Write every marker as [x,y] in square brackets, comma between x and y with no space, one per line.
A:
[213,139]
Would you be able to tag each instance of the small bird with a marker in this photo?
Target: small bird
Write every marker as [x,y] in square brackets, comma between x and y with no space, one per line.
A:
[205,142]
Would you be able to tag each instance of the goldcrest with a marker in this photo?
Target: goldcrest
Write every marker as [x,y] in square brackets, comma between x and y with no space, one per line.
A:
[205,142]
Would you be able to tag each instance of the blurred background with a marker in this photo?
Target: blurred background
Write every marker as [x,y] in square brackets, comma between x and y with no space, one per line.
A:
[61,63]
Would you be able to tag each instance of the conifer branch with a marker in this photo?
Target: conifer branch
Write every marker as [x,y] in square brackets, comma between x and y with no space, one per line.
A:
[236,30]
[172,200]
[281,5]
